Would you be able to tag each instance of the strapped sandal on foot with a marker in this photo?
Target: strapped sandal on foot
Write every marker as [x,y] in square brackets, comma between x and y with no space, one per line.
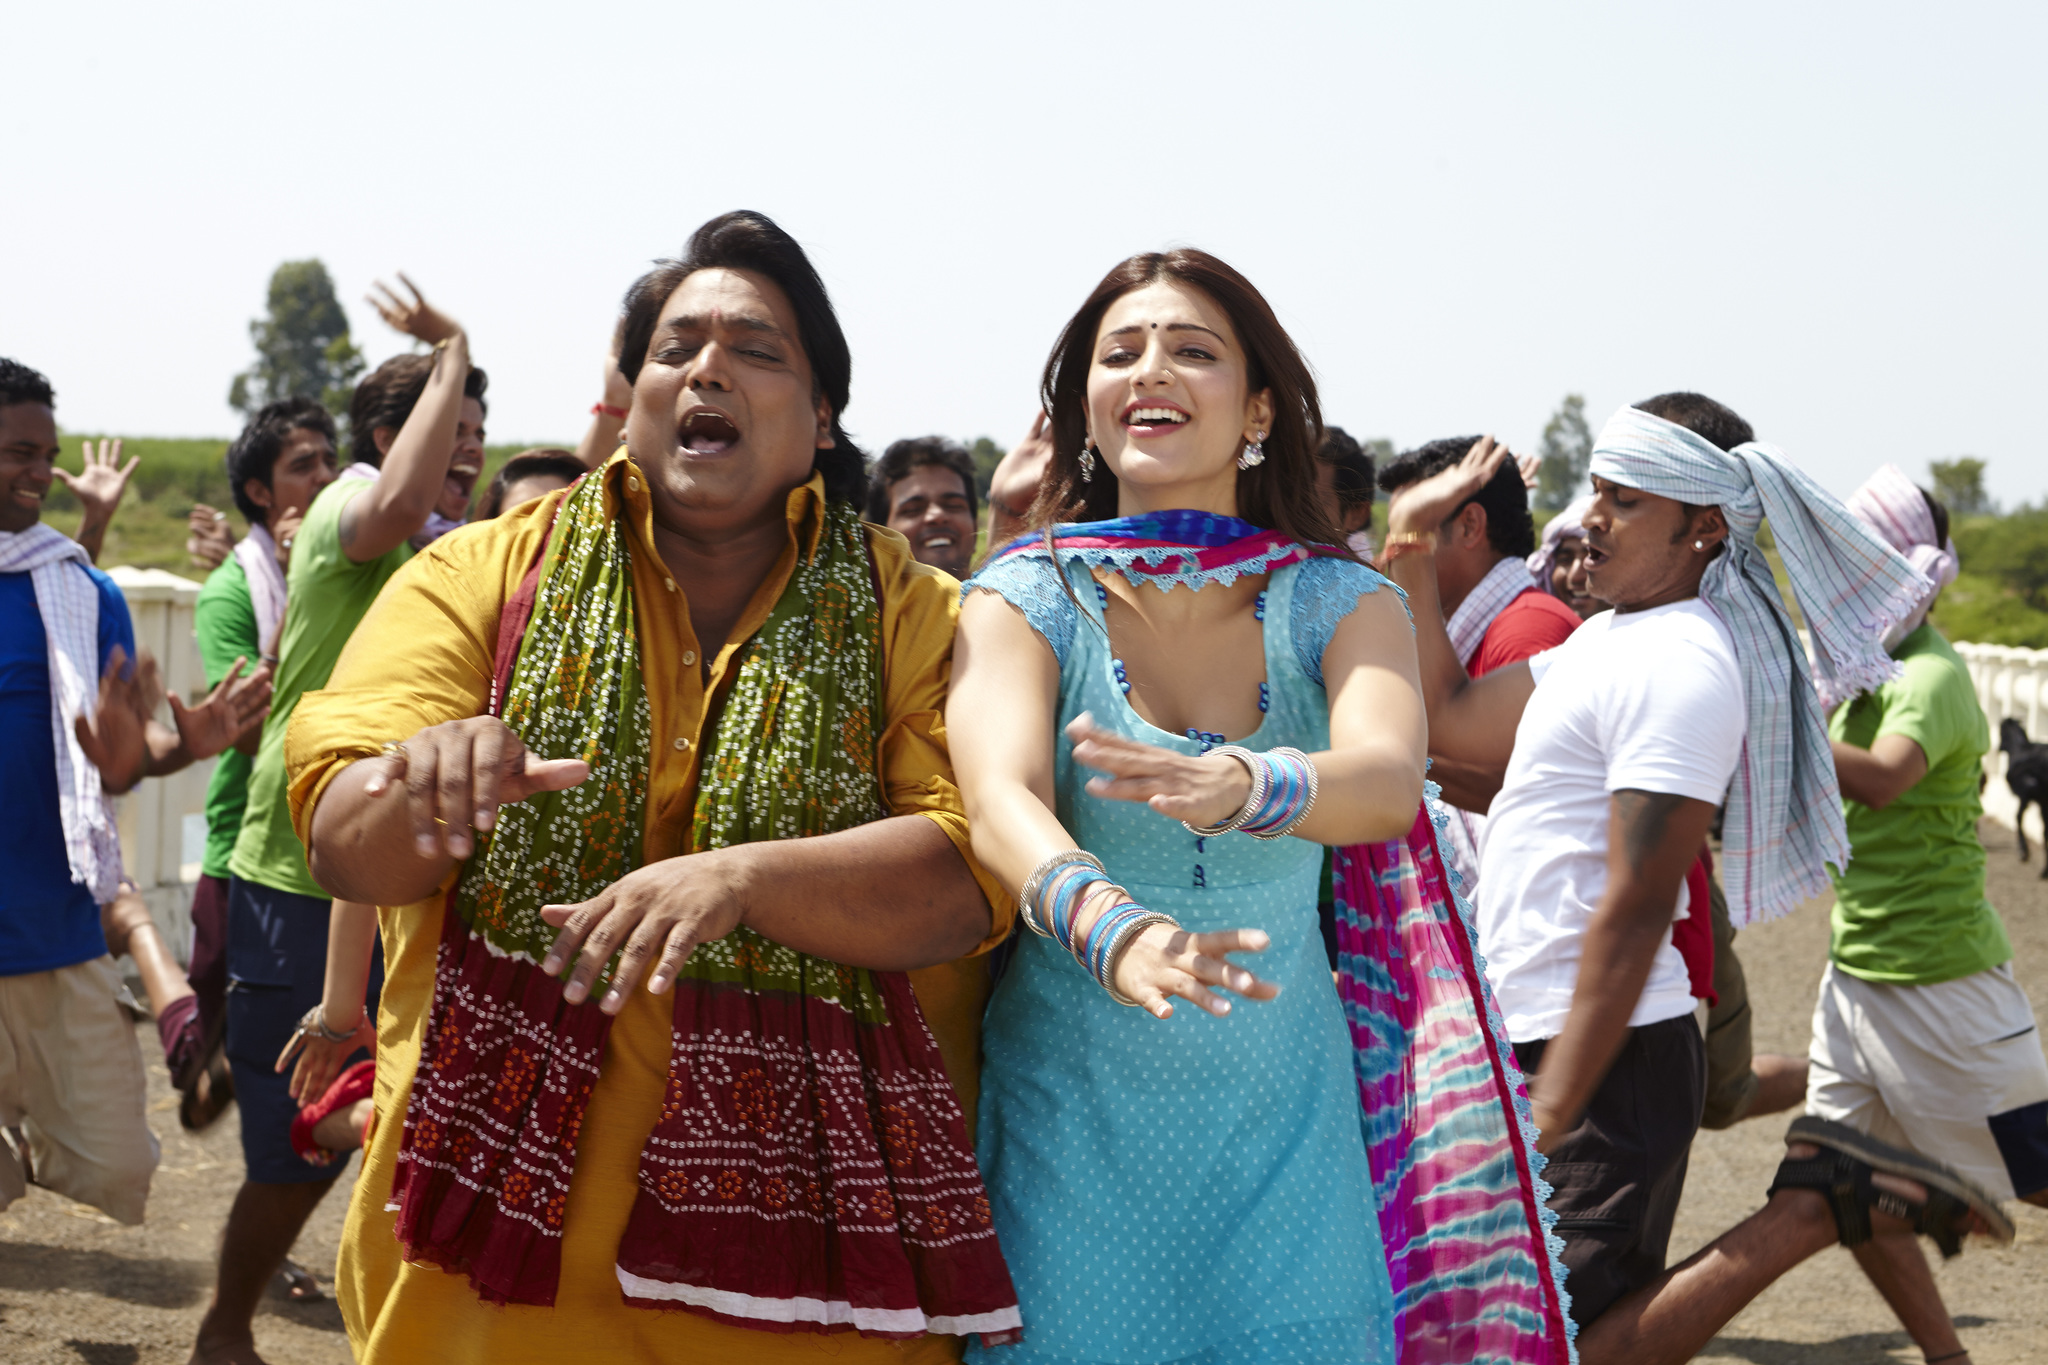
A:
[1842,1172]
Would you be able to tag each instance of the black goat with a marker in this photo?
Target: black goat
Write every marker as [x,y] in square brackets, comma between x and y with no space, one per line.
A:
[2026,772]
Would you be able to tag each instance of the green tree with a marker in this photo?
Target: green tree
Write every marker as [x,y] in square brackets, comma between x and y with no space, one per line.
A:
[1959,483]
[987,455]
[302,346]
[1566,451]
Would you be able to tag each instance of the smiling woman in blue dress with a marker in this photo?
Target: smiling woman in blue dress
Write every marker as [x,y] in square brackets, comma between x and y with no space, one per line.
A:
[1188,1182]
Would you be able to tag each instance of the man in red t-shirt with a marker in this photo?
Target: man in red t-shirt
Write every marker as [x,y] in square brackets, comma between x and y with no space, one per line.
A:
[1495,612]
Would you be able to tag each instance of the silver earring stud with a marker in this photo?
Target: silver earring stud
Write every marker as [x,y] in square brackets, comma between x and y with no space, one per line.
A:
[1699,545]
[1254,453]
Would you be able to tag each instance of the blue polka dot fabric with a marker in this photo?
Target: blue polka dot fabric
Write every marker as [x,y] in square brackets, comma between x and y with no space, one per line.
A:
[1192,1189]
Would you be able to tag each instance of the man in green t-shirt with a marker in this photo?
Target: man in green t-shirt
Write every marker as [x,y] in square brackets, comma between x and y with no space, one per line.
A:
[1921,1036]
[280,462]
[416,442]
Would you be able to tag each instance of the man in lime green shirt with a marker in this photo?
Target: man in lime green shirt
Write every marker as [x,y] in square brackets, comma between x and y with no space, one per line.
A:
[416,439]
[1921,1035]
[276,467]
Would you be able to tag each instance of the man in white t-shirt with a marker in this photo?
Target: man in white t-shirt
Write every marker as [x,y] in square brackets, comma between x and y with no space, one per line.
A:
[1620,744]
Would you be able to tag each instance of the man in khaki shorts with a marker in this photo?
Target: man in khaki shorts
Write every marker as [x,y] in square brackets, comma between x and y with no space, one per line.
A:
[74,713]
[1921,1036]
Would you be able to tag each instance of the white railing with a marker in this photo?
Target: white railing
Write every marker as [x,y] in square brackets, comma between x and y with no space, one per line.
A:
[163,821]
[2010,683]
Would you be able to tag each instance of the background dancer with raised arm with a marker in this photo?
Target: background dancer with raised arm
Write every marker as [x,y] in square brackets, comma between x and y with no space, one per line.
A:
[1493,612]
[1185,1180]
[416,440]
[1621,743]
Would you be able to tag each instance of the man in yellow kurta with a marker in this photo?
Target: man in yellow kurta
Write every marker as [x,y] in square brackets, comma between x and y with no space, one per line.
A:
[733,467]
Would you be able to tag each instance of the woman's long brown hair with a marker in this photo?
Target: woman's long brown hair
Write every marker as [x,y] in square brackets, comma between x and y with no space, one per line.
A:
[1279,495]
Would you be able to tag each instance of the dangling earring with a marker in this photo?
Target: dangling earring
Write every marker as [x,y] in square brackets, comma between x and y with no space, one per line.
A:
[1254,453]
[1087,462]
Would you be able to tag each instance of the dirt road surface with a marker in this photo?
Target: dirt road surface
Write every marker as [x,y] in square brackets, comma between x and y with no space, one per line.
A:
[77,1289]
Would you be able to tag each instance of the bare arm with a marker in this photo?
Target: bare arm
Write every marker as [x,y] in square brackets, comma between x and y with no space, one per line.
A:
[891,895]
[608,419]
[1466,785]
[1471,720]
[98,488]
[1881,774]
[351,940]
[389,512]
[1014,486]
[1001,720]
[1652,839]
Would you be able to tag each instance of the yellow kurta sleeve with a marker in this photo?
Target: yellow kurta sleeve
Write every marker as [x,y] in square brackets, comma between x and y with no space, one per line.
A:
[421,656]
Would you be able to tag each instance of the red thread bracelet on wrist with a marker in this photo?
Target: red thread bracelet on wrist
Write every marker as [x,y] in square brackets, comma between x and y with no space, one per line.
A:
[607,410]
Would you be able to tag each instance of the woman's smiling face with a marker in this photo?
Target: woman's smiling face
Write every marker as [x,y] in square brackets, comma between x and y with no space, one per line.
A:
[1169,401]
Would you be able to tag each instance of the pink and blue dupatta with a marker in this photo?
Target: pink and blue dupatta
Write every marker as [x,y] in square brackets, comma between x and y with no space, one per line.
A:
[1448,1133]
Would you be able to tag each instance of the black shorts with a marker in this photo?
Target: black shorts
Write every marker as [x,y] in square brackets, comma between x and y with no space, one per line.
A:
[1617,1176]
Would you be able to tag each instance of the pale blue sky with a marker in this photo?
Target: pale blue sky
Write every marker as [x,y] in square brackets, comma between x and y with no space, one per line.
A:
[1828,216]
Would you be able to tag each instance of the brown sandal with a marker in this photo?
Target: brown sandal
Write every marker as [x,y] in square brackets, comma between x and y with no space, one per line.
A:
[1842,1173]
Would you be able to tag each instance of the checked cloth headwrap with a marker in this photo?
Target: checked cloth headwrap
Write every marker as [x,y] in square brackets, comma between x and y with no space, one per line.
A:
[1892,505]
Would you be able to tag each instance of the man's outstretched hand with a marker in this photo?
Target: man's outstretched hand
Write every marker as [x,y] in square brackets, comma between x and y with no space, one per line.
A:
[98,488]
[208,538]
[453,778]
[1427,504]
[115,739]
[234,708]
[416,318]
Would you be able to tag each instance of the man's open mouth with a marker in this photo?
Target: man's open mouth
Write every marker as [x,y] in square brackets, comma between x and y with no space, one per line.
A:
[1154,419]
[707,431]
[1593,556]
[930,541]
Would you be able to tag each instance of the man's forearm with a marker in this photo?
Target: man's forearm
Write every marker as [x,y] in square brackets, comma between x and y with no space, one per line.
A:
[167,751]
[92,535]
[1619,947]
[1443,675]
[891,895]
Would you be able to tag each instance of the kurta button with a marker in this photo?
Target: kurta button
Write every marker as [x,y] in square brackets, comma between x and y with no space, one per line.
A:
[671,585]
[682,744]
[632,484]
[689,657]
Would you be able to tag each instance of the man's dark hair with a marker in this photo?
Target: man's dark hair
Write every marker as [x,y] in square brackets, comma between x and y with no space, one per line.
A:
[20,384]
[1936,510]
[745,240]
[527,463]
[253,454]
[1509,528]
[388,396]
[915,452]
[1341,451]
[1702,416]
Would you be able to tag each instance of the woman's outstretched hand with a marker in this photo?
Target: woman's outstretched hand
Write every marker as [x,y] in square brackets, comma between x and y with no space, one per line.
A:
[1201,791]
[1162,962]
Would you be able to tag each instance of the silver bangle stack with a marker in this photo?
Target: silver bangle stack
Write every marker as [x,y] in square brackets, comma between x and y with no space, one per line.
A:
[1112,930]
[313,1024]
[1284,786]
[1027,899]
[1251,803]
